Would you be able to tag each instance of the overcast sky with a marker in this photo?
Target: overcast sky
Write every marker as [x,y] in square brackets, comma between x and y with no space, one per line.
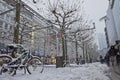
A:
[96,9]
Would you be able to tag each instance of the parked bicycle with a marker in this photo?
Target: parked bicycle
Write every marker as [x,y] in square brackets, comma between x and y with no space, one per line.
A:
[24,61]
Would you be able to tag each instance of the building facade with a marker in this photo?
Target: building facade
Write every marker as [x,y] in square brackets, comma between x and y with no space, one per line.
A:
[34,31]
[116,14]
[112,22]
[101,41]
[6,23]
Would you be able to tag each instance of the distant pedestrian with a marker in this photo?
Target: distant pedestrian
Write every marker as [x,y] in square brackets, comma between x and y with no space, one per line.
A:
[101,59]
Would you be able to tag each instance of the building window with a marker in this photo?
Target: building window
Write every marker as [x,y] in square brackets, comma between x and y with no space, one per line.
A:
[2,34]
[6,26]
[7,17]
[10,27]
[112,3]
[12,19]
[1,23]
[119,4]
[2,16]
[0,11]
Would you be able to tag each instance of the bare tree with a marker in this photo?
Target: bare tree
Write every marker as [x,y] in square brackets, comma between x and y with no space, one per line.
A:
[82,36]
[63,13]
[86,38]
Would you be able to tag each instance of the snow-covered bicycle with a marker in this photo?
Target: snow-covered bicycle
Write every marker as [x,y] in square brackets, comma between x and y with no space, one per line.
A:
[25,61]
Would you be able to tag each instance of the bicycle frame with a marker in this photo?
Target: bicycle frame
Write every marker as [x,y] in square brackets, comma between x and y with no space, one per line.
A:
[21,60]
[18,63]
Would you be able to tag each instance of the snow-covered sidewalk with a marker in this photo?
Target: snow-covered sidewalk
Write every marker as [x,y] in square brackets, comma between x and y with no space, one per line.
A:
[94,71]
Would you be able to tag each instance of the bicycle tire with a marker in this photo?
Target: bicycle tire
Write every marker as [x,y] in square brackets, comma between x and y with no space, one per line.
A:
[4,59]
[35,65]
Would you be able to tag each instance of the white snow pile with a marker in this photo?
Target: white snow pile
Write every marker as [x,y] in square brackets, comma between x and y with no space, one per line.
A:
[94,71]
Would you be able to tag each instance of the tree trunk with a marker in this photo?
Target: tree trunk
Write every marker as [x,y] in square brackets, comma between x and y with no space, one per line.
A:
[76,44]
[17,20]
[63,47]
[83,51]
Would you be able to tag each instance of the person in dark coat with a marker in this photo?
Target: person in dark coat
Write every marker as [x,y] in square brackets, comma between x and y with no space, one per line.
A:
[107,59]
[101,59]
[112,54]
[112,51]
[117,48]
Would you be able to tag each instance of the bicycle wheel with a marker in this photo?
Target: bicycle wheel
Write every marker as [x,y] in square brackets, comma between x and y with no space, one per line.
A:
[35,65]
[4,61]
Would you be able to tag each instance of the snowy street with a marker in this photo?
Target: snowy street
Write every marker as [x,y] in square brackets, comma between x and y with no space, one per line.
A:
[94,71]
[59,39]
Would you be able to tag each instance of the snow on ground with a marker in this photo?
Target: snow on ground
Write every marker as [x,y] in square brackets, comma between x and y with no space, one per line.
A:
[94,71]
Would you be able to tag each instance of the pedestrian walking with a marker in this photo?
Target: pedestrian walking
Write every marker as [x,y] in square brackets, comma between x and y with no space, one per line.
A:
[107,59]
[101,59]
[117,48]
[112,54]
